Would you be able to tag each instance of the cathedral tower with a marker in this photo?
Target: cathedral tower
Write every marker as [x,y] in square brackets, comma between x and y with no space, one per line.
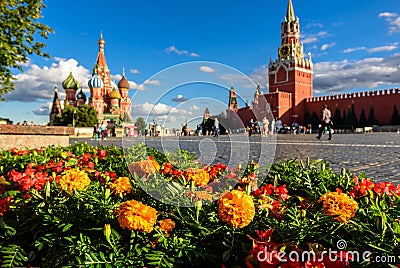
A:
[125,101]
[291,72]
[56,107]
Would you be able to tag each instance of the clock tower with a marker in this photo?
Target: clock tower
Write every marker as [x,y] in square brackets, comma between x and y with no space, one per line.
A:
[291,73]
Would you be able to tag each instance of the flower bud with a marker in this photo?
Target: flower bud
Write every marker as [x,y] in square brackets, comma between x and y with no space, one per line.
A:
[107,231]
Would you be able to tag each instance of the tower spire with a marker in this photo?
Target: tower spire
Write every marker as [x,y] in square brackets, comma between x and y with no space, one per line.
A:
[290,12]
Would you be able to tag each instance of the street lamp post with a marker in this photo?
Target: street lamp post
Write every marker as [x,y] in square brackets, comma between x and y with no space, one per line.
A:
[73,118]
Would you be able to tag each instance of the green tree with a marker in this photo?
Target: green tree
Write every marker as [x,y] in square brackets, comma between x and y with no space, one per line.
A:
[395,120]
[82,116]
[315,121]
[140,124]
[307,118]
[371,117]
[337,119]
[344,119]
[363,119]
[85,116]
[19,28]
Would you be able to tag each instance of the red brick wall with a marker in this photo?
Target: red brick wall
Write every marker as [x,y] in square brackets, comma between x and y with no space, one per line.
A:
[383,102]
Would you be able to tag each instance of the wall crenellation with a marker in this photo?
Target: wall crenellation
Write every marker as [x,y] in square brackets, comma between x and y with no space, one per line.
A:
[390,91]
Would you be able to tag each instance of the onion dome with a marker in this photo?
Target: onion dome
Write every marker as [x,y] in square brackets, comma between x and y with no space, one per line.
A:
[70,82]
[114,94]
[81,95]
[95,82]
[123,83]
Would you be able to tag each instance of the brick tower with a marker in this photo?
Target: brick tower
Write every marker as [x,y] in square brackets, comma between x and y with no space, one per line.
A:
[291,73]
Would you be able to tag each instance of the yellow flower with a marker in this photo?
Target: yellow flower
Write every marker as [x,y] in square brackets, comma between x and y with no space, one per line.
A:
[121,186]
[134,215]
[198,175]
[144,167]
[74,179]
[167,226]
[339,205]
[236,208]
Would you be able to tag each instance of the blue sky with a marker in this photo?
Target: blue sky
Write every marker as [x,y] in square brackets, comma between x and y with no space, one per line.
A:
[354,46]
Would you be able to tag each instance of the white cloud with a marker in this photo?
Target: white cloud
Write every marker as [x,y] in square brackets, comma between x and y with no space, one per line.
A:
[353,49]
[313,38]
[393,19]
[372,50]
[174,49]
[326,46]
[38,83]
[134,71]
[132,85]
[336,77]
[206,69]
[195,108]
[43,109]
[152,82]
[382,48]
[179,98]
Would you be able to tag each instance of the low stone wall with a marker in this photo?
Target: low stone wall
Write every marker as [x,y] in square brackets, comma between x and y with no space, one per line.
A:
[33,136]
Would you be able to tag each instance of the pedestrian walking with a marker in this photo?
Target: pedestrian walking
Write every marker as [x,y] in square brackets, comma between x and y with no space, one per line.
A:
[326,122]
[216,128]
[265,126]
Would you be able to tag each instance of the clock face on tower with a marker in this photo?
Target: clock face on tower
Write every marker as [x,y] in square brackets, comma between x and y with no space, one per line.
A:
[284,51]
[299,52]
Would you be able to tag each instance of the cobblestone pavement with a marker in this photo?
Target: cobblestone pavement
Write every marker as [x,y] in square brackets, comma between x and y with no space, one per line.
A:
[376,154]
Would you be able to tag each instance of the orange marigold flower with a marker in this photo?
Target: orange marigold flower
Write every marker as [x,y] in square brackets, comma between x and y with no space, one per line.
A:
[134,215]
[144,167]
[340,205]
[121,186]
[236,208]
[167,226]
[74,179]
[198,175]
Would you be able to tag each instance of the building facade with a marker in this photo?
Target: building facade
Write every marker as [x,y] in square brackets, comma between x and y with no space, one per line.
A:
[290,90]
[111,101]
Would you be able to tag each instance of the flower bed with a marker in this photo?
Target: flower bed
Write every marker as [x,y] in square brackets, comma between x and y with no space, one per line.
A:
[80,206]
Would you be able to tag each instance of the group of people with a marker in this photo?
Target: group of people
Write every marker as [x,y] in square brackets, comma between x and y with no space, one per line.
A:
[25,123]
[267,128]
[102,131]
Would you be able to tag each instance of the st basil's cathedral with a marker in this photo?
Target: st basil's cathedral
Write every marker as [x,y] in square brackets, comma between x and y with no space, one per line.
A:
[111,101]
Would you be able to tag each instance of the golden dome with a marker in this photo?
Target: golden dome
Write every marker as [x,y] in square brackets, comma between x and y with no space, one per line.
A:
[114,94]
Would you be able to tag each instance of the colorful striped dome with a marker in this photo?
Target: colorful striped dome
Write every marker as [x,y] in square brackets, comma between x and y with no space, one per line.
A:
[123,83]
[70,82]
[114,94]
[95,82]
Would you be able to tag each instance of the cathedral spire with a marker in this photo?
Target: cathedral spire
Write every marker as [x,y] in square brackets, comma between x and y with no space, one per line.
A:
[290,12]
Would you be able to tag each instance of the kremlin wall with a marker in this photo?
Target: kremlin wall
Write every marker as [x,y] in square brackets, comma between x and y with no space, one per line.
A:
[290,90]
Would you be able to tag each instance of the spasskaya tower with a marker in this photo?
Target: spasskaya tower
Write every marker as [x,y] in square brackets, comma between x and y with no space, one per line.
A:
[290,74]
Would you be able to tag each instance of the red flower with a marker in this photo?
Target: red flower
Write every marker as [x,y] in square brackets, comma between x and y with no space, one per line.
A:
[90,165]
[86,157]
[384,187]
[264,235]
[4,205]
[101,154]
[361,188]
[167,168]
